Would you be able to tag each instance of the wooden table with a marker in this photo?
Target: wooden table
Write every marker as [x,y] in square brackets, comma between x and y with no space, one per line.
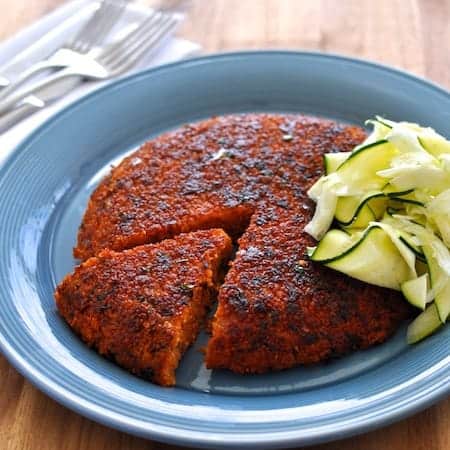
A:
[410,34]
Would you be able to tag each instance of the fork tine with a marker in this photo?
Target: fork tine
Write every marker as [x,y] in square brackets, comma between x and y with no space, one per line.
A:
[97,26]
[146,38]
[131,44]
[86,30]
[109,21]
[112,52]
[148,41]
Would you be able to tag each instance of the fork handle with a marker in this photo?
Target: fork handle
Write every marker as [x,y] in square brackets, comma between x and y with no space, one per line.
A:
[8,104]
[26,75]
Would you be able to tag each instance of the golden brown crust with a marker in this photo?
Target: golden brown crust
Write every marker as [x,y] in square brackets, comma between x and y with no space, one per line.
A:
[230,172]
[210,174]
[143,307]
[277,309]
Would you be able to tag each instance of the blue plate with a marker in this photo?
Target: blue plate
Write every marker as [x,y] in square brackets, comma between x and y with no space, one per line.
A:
[44,187]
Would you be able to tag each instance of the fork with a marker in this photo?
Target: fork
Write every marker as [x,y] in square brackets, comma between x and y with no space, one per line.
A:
[110,62]
[90,36]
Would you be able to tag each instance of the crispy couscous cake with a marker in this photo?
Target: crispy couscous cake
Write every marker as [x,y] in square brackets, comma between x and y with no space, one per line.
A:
[143,307]
[249,175]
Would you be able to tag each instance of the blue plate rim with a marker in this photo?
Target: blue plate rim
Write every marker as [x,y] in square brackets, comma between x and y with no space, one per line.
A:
[438,390]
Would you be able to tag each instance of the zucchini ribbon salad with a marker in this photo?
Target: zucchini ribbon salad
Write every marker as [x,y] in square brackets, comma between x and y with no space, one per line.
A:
[383,217]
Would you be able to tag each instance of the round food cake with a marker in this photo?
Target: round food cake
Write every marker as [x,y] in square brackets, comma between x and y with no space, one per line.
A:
[242,175]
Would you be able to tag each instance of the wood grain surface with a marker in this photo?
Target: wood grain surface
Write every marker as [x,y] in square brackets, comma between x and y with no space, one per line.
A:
[409,34]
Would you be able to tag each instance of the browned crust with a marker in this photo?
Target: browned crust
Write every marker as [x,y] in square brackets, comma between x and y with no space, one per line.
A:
[205,175]
[226,172]
[277,309]
[143,307]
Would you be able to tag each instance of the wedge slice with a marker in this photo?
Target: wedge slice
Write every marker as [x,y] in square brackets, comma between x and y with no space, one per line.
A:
[143,307]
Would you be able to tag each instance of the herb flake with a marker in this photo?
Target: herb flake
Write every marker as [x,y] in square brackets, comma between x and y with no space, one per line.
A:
[187,288]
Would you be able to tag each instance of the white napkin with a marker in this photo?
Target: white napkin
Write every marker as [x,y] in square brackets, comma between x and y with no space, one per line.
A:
[173,50]
[48,34]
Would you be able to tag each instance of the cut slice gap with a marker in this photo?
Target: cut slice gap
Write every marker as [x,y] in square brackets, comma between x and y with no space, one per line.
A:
[233,220]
